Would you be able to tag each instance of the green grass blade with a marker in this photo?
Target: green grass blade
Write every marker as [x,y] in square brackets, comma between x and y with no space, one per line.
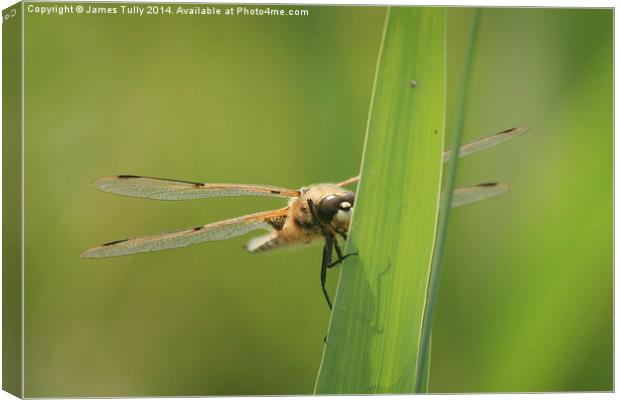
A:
[374,333]
[446,202]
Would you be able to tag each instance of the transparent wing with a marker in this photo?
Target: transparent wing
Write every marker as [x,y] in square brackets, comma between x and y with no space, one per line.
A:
[488,141]
[217,231]
[349,181]
[169,189]
[470,148]
[473,194]
[263,243]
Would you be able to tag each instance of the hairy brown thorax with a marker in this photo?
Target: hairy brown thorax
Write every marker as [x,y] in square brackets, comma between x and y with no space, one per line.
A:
[300,226]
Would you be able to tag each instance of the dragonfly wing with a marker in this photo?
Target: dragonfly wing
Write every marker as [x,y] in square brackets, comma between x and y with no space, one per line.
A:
[349,181]
[488,142]
[469,148]
[473,194]
[216,231]
[169,189]
[263,243]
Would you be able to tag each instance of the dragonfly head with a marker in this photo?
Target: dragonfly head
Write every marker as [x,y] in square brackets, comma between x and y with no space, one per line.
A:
[336,209]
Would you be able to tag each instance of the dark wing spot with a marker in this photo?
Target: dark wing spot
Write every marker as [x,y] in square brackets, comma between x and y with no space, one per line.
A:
[198,228]
[198,185]
[158,179]
[507,131]
[115,242]
[275,191]
[277,223]
[490,184]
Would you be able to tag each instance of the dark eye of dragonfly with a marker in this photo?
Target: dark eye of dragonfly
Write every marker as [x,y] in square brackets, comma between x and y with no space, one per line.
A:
[349,197]
[331,204]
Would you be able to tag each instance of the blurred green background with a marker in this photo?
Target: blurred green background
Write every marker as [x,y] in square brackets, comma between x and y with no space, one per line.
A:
[526,295]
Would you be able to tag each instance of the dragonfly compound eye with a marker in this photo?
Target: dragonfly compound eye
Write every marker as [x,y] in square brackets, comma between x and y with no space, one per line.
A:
[349,197]
[328,207]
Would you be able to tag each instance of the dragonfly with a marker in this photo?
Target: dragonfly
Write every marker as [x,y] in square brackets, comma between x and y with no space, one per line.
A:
[314,212]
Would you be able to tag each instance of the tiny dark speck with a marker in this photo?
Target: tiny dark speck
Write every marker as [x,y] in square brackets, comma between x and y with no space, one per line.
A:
[275,191]
[114,242]
[127,176]
[413,83]
[488,184]
[196,229]
[199,184]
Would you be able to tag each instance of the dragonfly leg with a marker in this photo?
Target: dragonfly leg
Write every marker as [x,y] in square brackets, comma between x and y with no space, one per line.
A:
[327,250]
[341,257]
[327,260]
